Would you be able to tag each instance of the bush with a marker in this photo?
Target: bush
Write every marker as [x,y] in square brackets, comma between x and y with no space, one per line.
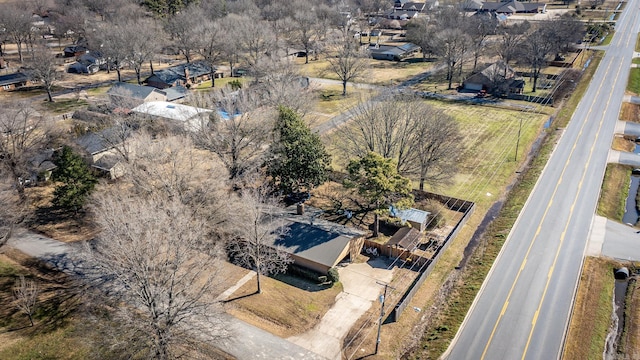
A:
[437,210]
[235,84]
[306,274]
[333,275]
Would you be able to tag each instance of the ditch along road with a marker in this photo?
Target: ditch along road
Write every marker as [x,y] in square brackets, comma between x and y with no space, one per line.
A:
[246,342]
[523,308]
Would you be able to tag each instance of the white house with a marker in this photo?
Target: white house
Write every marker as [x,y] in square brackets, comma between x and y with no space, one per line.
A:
[193,118]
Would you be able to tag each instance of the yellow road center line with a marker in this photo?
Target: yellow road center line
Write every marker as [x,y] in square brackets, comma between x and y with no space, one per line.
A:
[564,232]
[555,190]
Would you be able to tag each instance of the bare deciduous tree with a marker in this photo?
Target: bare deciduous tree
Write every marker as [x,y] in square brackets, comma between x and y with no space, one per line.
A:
[25,294]
[16,22]
[305,22]
[238,138]
[24,134]
[257,230]
[151,254]
[173,168]
[451,45]
[209,33]
[420,31]
[424,142]
[536,49]
[181,28]
[141,39]
[510,39]
[349,62]
[12,211]
[43,68]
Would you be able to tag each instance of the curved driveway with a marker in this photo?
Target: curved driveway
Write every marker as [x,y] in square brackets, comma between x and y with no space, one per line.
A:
[523,307]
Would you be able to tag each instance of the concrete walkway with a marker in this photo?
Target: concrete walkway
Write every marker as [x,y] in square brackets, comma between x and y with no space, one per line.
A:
[360,292]
[613,239]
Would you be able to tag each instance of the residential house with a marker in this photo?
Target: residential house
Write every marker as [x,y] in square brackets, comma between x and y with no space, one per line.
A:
[128,96]
[182,75]
[83,67]
[74,51]
[176,93]
[317,244]
[189,117]
[93,57]
[13,81]
[495,77]
[393,52]
[400,14]
[505,7]
[41,166]
[103,150]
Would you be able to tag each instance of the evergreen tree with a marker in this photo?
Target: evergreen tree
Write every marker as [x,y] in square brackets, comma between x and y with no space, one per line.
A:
[76,178]
[378,181]
[299,160]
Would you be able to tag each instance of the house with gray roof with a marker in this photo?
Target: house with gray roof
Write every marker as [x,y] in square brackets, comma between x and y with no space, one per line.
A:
[131,95]
[393,52]
[183,75]
[505,7]
[314,243]
[101,149]
[13,81]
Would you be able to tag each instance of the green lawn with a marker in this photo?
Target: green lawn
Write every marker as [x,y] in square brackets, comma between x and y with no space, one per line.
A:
[634,81]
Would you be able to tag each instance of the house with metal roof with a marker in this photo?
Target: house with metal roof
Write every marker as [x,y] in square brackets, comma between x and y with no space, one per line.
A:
[192,118]
[415,217]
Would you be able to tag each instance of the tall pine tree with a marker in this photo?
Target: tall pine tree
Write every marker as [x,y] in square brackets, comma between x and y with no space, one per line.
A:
[76,178]
[299,160]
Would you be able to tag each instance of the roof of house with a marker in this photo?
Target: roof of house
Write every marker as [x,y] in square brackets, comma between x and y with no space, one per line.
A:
[174,73]
[413,215]
[405,237]
[492,73]
[176,92]
[107,162]
[14,78]
[169,110]
[133,91]
[314,239]
[513,6]
[98,142]
[397,50]
[419,6]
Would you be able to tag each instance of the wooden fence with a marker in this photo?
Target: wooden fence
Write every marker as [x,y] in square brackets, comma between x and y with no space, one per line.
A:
[467,208]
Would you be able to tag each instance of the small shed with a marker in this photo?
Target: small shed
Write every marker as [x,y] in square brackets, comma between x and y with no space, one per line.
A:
[415,217]
[406,238]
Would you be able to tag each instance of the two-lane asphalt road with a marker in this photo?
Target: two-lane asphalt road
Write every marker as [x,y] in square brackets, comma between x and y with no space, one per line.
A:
[523,308]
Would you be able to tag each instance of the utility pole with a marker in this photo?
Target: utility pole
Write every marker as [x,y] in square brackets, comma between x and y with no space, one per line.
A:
[382,301]
[518,140]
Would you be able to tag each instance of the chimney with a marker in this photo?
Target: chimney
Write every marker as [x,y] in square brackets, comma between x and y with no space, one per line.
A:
[186,73]
[300,209]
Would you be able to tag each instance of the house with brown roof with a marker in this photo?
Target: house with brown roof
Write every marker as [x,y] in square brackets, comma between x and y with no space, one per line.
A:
[498,77]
